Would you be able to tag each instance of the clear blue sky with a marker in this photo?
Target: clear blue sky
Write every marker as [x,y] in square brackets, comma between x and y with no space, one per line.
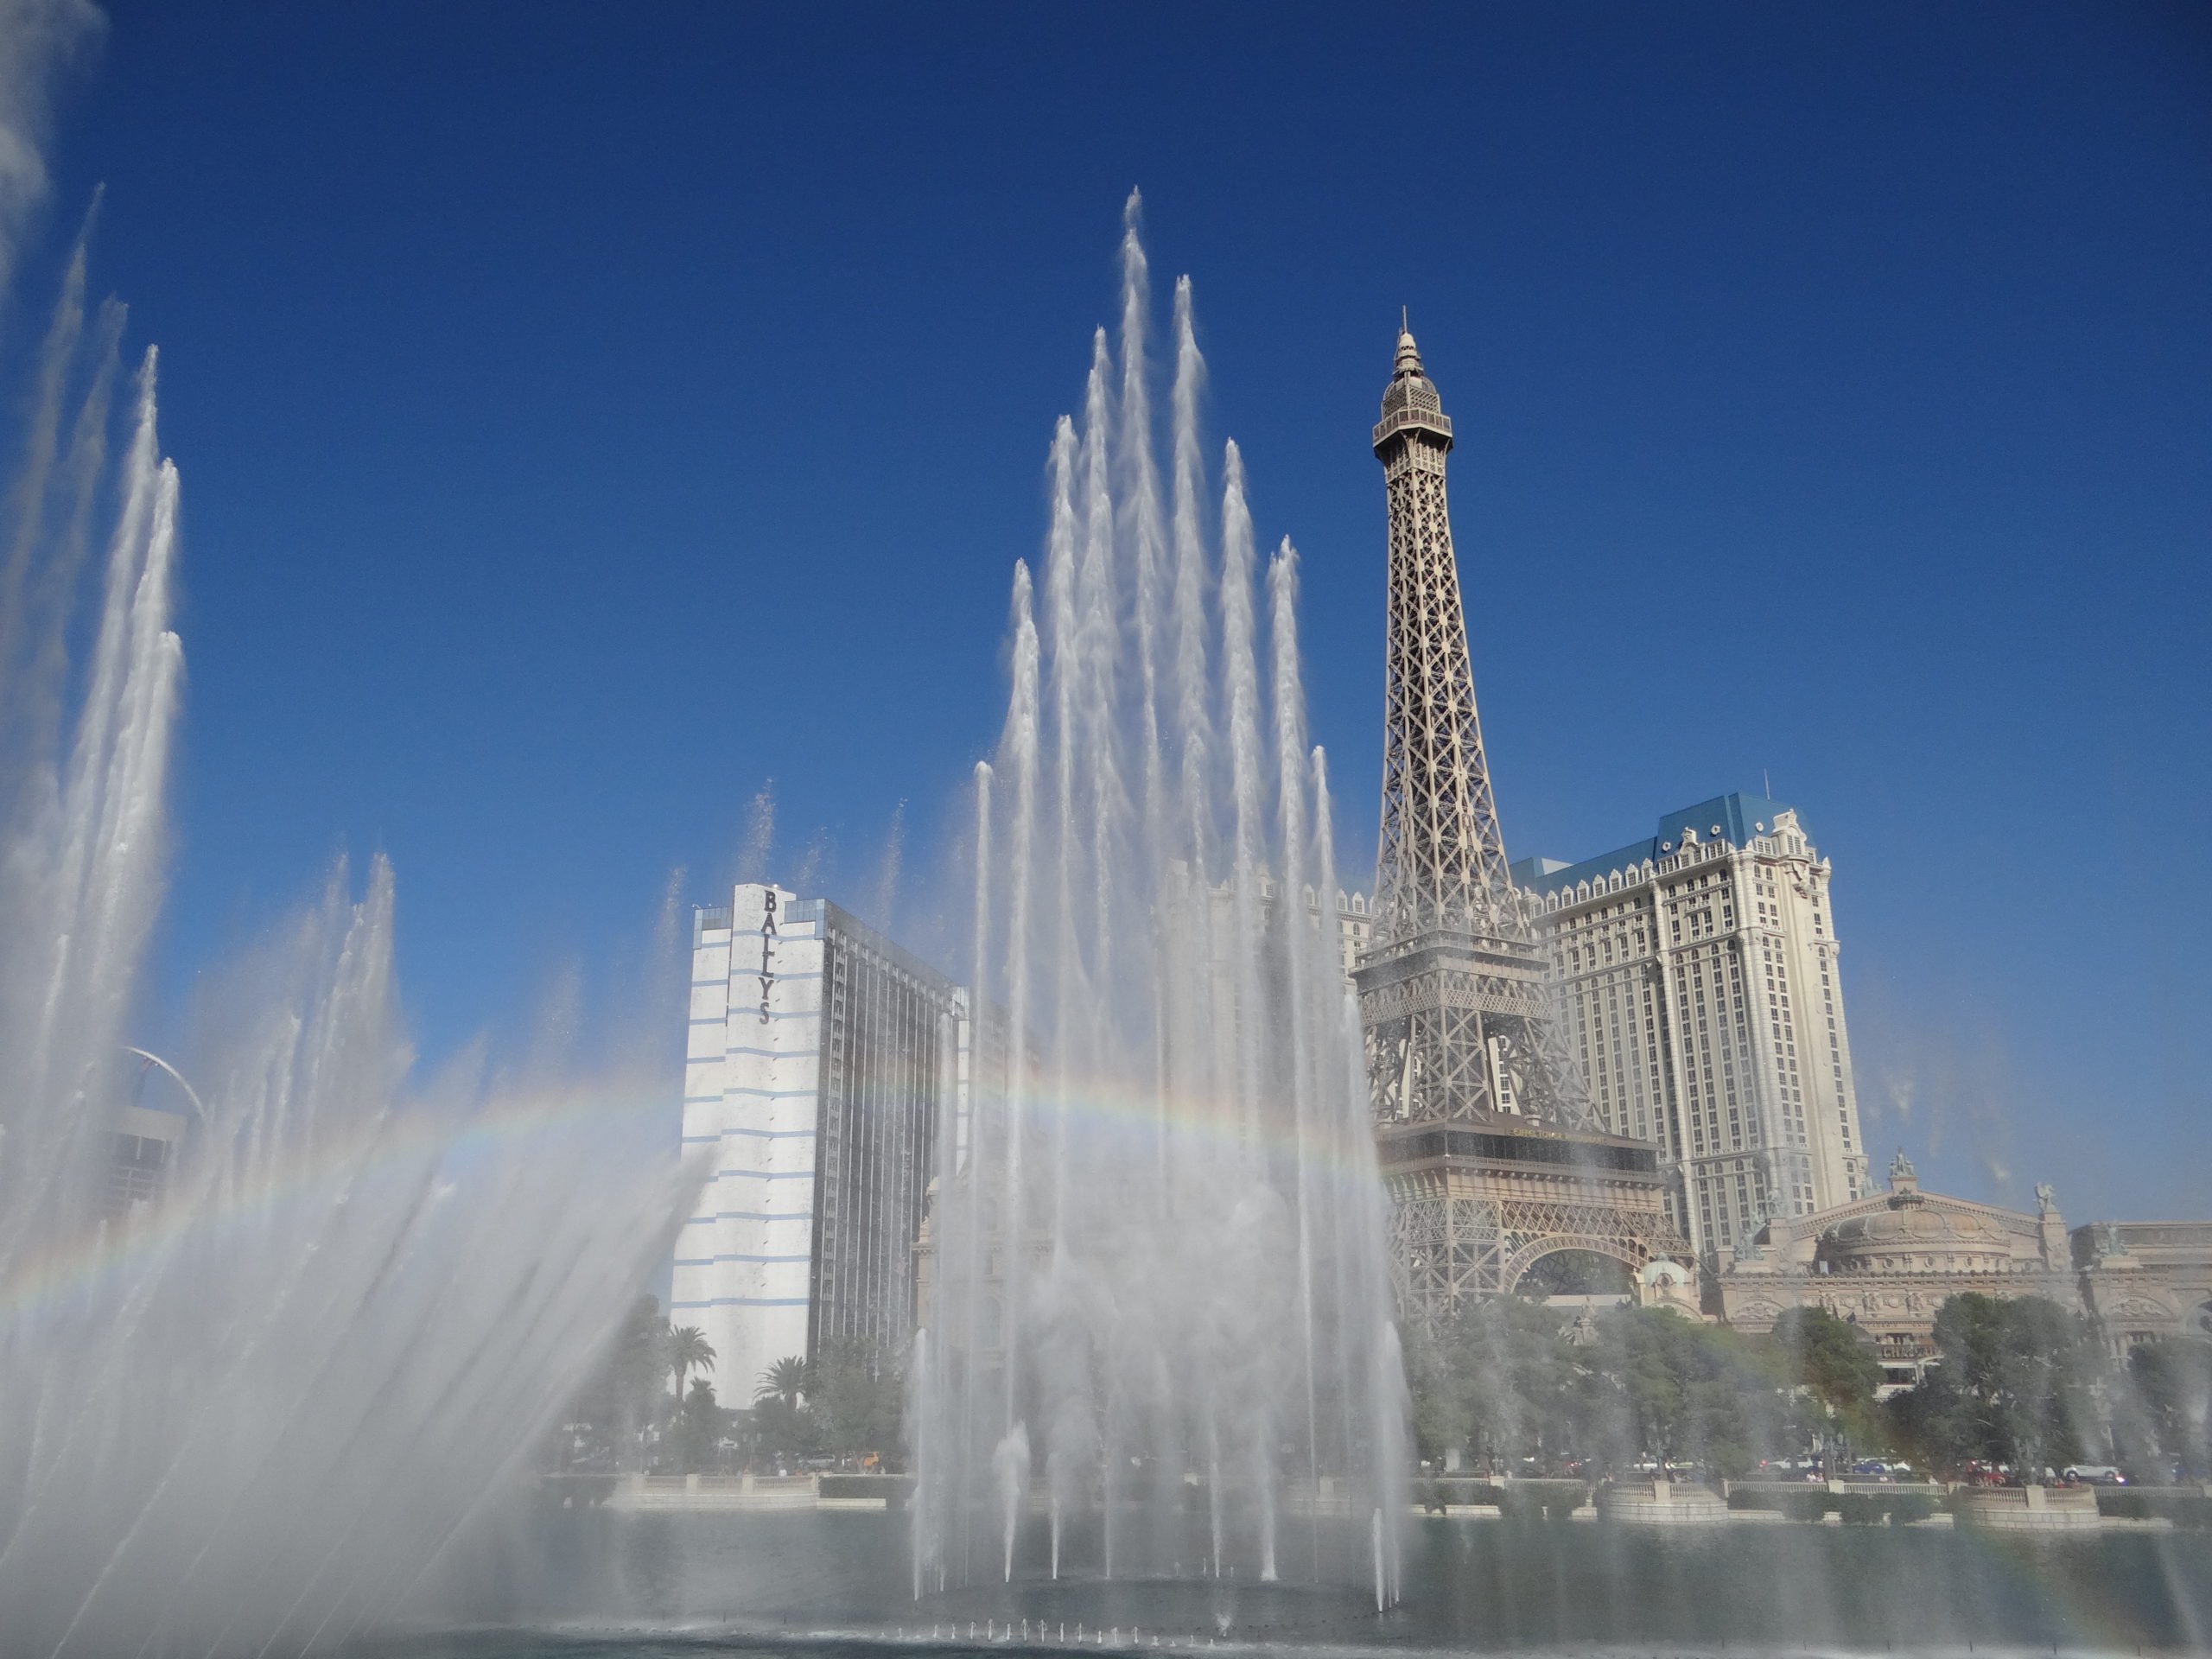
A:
[1833,385]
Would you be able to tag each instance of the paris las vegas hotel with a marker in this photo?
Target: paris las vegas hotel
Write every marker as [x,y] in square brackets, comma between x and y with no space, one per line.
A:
[1699,979]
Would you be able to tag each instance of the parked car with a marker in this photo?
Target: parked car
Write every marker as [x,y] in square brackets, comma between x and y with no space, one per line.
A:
[2094,1474]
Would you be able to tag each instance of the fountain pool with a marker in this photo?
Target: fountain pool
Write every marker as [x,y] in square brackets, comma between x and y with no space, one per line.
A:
[595,1581]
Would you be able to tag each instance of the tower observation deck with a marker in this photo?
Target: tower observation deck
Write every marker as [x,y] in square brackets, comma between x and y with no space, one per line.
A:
[1490,1151]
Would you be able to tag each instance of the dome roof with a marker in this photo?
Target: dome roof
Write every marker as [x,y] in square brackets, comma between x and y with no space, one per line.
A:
[1914,1226]
[1415,390]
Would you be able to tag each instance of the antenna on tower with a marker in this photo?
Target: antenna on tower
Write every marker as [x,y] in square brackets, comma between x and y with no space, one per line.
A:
[1405,324]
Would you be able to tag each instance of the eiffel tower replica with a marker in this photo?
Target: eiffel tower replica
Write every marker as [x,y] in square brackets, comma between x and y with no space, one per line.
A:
[1489,1149]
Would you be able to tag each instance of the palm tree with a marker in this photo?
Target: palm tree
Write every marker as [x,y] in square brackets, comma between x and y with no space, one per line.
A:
[787,1380]
[633,1377]
[687,1350]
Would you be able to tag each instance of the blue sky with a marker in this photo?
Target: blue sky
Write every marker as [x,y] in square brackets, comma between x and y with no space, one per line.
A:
[588,413]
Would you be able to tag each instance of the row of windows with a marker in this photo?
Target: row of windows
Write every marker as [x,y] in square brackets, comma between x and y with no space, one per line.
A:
[883,1075]
[1706,906]
[1725,1107]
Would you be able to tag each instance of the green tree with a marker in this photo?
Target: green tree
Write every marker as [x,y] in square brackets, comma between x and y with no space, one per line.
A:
[1658,1386]
[697,1429]
[782,1429]
[2015,1385]
[787,1380]
[1493,1381]
[1831,1357]
[687,1350]
[2170,1378]
[858,1398]
[1834,1364]
[636,1366]
[784,1424]
[623,1395]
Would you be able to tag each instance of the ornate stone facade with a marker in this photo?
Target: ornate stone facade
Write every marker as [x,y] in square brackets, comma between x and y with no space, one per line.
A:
[1888,1261]
[2145,1279]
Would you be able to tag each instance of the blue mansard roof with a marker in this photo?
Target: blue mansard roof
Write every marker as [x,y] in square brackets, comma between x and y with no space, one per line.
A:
[1734,818]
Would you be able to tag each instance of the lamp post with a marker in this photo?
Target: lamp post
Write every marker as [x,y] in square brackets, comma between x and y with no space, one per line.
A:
[190,1093]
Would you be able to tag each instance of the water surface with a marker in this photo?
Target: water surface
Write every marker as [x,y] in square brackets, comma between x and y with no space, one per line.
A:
[592,1582]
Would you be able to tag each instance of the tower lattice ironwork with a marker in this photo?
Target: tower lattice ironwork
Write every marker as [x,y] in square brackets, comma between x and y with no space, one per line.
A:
[1486,1136]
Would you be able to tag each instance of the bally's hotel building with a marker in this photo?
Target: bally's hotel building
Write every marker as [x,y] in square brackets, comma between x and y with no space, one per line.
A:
[821,1061]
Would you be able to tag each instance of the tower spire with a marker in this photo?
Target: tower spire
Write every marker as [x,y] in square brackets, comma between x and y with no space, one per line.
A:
[1408,357]
[1441,860]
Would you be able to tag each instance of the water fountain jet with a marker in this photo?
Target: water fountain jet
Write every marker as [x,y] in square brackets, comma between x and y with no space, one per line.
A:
[1161,1237]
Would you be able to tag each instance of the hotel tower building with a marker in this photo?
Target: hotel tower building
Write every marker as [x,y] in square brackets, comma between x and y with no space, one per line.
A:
[1698,973]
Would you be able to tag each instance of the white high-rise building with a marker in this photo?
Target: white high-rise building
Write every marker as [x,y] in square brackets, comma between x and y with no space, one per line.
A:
[1697,974]
[821,1060]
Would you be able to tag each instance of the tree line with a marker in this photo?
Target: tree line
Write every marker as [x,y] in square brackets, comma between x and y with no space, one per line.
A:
[2019,1385]
[638,1414]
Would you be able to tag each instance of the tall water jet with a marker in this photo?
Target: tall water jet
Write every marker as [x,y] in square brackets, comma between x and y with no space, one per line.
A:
[1156,1280]
[1010,1475]
[244,1411]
